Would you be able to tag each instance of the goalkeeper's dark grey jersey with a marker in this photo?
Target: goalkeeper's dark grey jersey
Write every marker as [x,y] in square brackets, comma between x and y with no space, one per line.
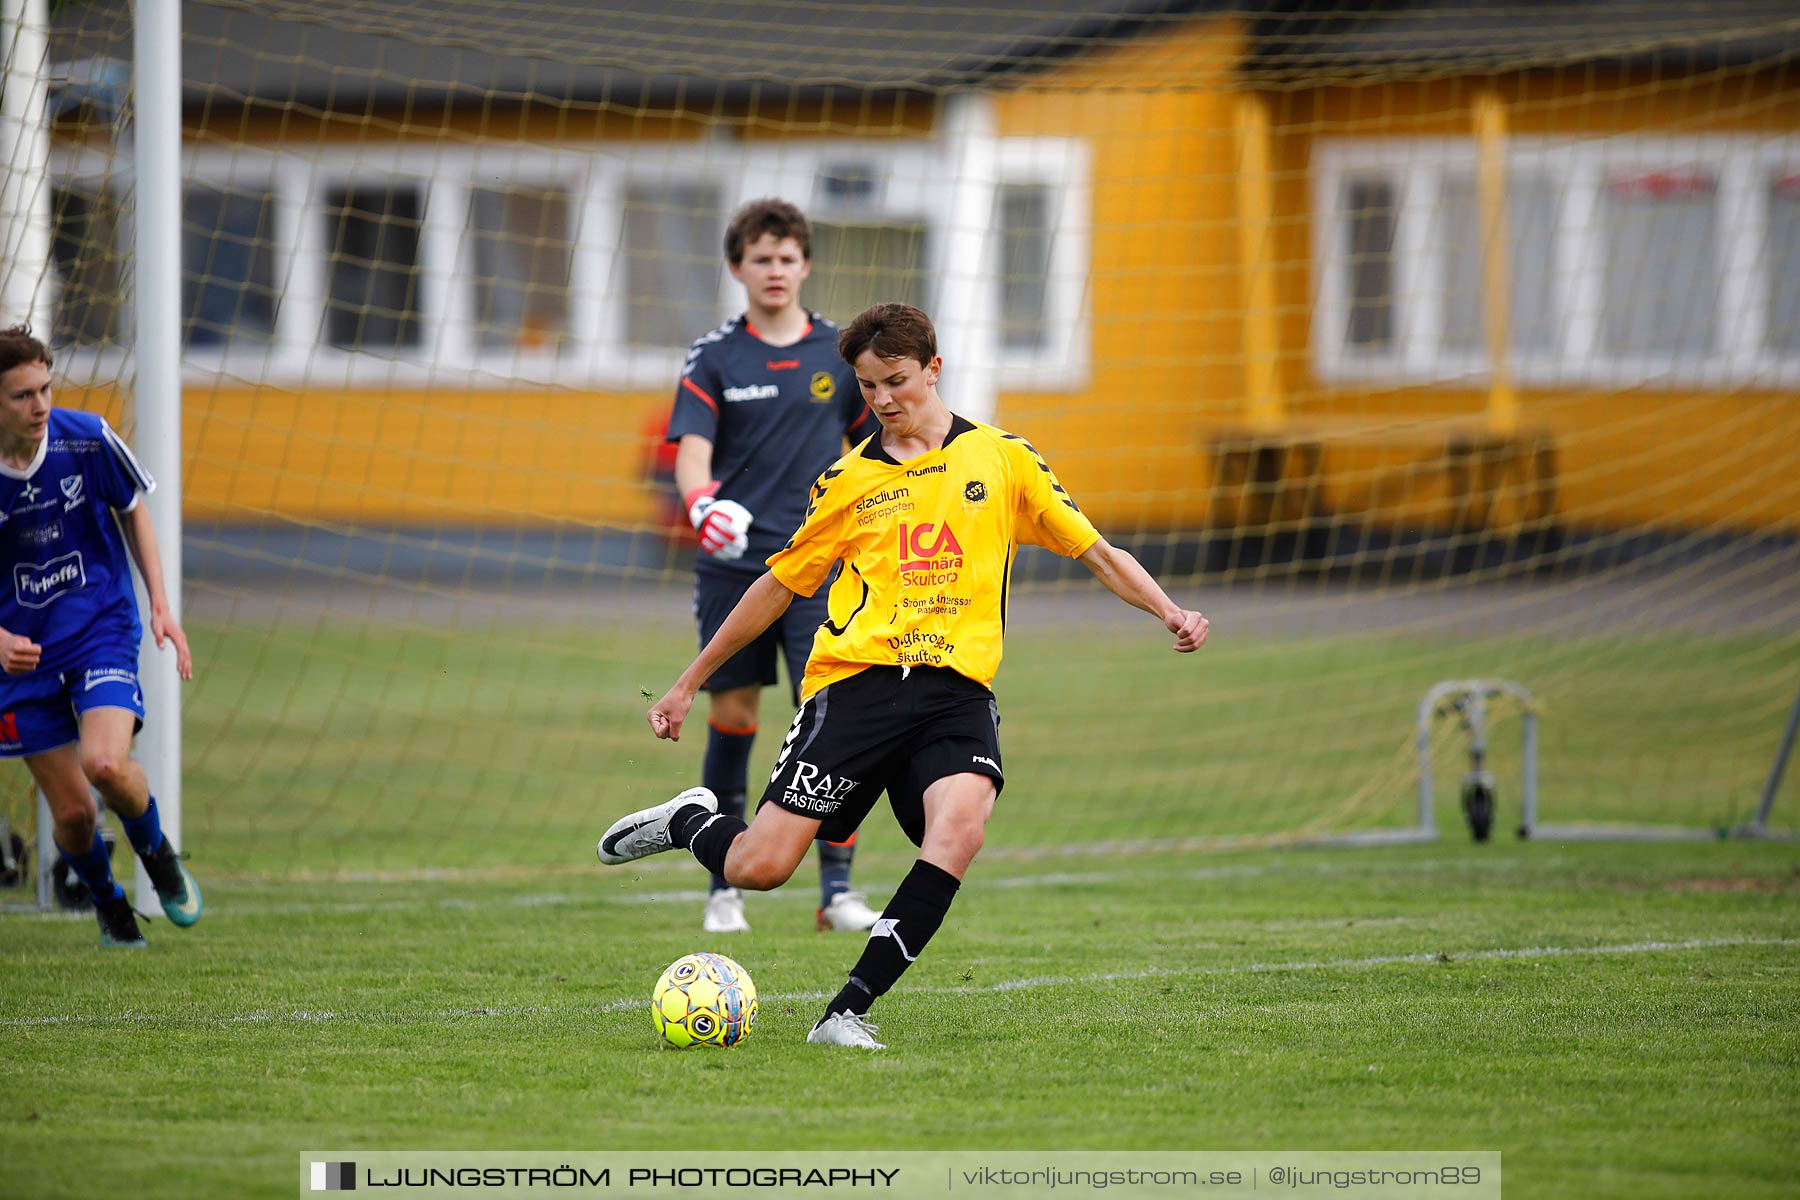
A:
[776,415]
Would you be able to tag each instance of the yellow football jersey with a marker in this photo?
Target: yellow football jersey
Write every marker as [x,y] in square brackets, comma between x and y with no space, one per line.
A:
[927,547]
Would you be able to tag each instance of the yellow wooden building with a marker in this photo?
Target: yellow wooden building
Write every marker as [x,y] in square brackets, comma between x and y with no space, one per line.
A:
[1273,269]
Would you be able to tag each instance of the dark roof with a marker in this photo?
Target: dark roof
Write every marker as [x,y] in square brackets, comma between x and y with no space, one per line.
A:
[351,54]
[1305,40]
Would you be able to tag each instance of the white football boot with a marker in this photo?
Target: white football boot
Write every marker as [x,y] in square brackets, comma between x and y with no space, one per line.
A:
[845,1029]
[646,831]
[725,912]
[848,912]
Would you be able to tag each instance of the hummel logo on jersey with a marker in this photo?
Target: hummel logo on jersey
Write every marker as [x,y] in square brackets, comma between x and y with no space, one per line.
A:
[987,762]
[756,391]
[782,364]
[918,471]
[890,927]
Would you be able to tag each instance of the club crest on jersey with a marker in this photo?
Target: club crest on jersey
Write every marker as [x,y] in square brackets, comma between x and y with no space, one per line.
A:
[71,488]
[930,555]
[824,387]
[975,492]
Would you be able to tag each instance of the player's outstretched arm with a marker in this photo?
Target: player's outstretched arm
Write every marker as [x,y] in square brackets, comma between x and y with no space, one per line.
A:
[1126,578]
[140,539]
[760,608]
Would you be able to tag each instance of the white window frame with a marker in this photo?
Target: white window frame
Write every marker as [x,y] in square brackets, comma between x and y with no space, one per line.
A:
[593,353]
[1742,164]
[750,171]
[89,167]
[1064,361]
[634,365]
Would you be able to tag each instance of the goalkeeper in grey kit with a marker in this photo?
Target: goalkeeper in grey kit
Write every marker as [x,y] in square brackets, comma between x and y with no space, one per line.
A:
[763,405]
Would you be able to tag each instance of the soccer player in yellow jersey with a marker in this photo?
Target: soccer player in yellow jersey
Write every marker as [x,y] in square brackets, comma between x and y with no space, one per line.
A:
[926,516]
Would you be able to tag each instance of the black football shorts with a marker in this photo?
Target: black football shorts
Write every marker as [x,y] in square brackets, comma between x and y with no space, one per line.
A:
[884,729]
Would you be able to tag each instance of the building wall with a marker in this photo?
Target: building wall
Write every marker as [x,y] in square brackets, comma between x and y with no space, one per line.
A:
[1165,301]
[452,458]
[1163,293]
[1723,458]
[449,455]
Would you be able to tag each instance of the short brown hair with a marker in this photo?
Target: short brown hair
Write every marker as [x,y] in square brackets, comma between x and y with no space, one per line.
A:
[18,347]
[771,216]
[891,331]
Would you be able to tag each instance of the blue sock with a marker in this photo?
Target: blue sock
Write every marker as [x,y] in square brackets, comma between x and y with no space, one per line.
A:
[726,771]
[834,868]
[95,870]
[144,830]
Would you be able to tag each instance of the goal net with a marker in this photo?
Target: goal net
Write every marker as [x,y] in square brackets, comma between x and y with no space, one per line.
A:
[1410,343]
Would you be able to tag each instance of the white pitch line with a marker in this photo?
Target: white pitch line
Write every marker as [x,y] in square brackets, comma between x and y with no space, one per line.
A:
[1159,848]
[1109,848]
[683,896]
[1347,964]
[624,1005]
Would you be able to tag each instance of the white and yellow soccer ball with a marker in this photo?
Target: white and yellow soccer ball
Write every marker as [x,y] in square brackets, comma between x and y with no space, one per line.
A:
[703,1000]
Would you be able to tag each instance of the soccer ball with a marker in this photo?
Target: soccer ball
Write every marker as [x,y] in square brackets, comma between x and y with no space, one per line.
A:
[703,1000]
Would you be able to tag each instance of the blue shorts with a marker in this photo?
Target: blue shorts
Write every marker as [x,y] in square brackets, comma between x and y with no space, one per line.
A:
[791,637]
[42,711]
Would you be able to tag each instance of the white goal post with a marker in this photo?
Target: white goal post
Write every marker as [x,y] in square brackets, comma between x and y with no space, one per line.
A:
[154,282]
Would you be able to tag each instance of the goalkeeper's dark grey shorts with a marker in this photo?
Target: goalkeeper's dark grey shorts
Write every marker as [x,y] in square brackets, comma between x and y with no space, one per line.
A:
[789,639]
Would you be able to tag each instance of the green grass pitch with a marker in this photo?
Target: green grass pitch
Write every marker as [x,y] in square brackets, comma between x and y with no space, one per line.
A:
[407,945]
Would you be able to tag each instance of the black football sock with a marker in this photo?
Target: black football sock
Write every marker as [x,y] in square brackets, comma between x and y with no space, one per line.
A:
[906,924]
[705,834]
[731,804]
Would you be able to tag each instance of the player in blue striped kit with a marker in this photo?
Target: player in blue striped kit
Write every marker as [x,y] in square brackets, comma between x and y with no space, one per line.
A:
[69,631]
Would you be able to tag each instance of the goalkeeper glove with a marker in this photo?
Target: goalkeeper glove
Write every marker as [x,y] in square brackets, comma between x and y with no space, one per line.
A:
[723,525]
